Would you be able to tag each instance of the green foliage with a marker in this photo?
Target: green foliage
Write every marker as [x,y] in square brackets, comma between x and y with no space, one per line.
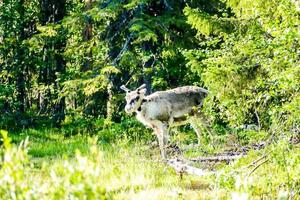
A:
[4,138]
[283,182]
[206,24]
[62,63]
[130,130]
[253,70]
[74,57]
[13,47]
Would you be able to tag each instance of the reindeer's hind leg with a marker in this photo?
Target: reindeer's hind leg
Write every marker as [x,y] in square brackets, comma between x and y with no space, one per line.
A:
[196,122]
[199,124]
[197,129]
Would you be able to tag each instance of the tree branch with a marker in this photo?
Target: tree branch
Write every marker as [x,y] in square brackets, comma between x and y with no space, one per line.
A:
[124,48]
[167,5]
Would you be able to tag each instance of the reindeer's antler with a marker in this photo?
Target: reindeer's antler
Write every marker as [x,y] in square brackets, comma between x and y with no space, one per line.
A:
[123,87]
[141,87]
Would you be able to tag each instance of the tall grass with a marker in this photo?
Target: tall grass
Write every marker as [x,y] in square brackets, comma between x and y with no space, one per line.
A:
[133,170]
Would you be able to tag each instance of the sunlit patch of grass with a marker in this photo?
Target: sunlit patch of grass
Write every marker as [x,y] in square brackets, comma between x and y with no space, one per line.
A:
[51,143]
[50,149]
[132,172]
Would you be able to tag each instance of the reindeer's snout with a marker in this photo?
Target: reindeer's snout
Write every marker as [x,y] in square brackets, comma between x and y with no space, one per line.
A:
[127,109]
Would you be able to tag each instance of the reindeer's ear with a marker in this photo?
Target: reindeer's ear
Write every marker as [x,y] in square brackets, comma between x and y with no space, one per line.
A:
[142,91]
[124,88]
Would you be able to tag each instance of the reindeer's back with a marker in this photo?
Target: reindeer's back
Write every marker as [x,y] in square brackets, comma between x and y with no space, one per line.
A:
[188,90]
[181,97]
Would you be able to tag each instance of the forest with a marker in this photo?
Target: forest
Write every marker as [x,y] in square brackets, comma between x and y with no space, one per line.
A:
[65,133]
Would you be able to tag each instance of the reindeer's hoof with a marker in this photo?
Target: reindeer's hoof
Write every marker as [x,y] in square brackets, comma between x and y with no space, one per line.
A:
[163,156]
[154,144]
[174,150]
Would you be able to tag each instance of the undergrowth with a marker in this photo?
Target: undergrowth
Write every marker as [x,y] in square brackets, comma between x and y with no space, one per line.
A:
[47,164]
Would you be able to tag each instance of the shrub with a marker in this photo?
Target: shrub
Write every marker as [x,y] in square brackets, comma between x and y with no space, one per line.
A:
[78,178]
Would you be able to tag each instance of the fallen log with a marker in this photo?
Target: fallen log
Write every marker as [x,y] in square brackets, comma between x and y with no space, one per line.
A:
[226,158]
[180,167]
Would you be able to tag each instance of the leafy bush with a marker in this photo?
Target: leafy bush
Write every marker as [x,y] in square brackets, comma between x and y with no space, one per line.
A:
[129,129]
[252,71]
[79,178]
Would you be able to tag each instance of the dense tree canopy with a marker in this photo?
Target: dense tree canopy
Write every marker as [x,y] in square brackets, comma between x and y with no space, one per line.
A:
[60,60]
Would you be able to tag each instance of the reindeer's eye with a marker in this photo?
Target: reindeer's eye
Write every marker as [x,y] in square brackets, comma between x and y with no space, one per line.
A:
[134,100]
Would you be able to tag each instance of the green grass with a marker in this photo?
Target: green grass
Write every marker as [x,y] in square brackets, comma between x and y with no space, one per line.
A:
[136,172]
[83,168]
[128,170]
[51,143]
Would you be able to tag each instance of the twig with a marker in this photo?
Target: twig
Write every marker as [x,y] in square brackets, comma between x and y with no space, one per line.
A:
[251,164]
[256,167]
[294,193]
[257,160]
[258,120]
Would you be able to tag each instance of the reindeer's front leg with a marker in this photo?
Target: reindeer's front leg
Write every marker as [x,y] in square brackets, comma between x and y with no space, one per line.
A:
[161,131]
[162,143]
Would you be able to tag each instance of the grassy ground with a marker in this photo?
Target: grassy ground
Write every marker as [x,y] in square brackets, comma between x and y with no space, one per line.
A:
[130,170]
[51,143]
[84,168]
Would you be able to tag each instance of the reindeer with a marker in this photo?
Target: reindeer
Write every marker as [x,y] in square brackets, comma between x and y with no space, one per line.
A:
[165,109]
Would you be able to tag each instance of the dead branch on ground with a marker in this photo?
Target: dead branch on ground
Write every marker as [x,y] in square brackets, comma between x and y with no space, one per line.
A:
[257,166]
[180,167]
[217,158]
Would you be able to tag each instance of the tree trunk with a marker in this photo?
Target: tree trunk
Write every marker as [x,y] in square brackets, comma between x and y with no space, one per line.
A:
[147,75]
[53,11]
[109,103]
[88,35]
[20,81]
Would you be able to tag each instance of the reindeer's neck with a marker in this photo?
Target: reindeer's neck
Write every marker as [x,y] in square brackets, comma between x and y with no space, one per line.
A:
[144,100]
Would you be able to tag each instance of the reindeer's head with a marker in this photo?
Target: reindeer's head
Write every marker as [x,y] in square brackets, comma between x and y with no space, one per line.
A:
[134,98]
